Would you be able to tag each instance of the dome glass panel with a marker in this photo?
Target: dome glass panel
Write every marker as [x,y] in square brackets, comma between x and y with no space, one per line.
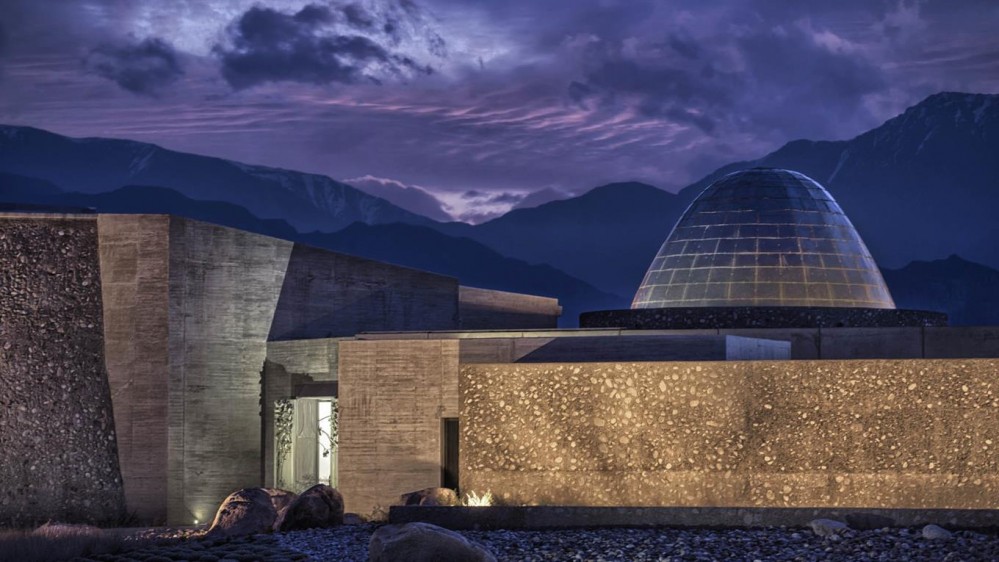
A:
[763,237]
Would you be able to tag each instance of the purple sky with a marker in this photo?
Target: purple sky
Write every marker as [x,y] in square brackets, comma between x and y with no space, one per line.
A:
[481,104]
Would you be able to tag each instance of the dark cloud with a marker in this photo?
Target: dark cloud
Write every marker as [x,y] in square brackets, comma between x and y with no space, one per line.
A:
[762,78]
[143,67]
[314,45]
[3,40]
[684,47]
[789,71]
[359,18]
[656,79]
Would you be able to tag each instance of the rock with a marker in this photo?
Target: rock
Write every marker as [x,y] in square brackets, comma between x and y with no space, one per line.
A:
[827,527]
[52,530]
[934,532]
[423,542]
[280,499]
[868,521]
[244,512]
[353,519]
[431,497]
[318,507]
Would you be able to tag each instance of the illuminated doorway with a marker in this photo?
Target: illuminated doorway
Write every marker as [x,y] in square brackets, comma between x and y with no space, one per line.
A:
[306,443]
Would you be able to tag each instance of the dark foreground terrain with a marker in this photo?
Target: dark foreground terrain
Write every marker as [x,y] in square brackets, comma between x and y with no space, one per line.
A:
[350,543]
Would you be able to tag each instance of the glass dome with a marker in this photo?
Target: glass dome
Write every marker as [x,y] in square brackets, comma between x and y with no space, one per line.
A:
[763,237]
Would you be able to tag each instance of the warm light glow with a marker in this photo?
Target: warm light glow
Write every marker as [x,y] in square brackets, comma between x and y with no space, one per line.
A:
[474,500]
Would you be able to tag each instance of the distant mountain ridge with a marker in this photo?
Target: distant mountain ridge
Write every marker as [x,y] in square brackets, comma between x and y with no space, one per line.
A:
[932,170]
[923,185]
[96,165]
[606,236]
[968,292]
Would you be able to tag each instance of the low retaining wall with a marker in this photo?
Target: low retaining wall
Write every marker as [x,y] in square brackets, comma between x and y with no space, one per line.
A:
[569,517]
[738,317]
[864,433]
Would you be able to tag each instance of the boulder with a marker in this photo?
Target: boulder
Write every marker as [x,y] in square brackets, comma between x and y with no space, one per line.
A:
[423,542]
[431,496]
[827,527]
[934,532]
[868,521]
[353,519]
[318,507]
[248,511]
[280,499]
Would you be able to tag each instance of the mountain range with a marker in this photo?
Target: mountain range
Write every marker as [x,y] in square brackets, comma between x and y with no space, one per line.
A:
[96,165]
[921,186]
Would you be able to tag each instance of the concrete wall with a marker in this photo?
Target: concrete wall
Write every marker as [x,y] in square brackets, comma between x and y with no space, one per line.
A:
[393,395]
[224,286]
[806,343]
[961,342]
[134,281]
[58,456]
[629,347]
[327,294]
[486,309]
[866,433]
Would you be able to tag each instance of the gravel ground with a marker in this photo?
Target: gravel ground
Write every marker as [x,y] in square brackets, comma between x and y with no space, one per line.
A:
[350,543]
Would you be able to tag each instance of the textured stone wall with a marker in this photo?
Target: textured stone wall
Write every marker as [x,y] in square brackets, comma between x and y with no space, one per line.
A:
[865,433]
[58,457]
[393,395]
[736,317]
[486,309]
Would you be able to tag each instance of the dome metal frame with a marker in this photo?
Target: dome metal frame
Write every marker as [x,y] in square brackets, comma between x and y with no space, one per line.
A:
[763,237]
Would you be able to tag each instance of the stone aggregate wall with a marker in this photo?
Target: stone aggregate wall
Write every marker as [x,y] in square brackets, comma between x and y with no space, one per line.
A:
[859,433]
[58,455]
[736,317]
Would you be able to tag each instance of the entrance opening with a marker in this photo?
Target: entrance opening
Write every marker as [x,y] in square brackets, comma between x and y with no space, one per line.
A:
[306,443]
[449,453]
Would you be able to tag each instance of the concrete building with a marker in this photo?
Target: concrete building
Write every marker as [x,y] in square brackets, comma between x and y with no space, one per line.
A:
[168,321]
[763,364]
[230,359]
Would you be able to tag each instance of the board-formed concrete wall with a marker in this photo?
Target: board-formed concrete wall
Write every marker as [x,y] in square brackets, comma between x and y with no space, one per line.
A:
[58,456]
[224,286]
[327,294]
[393,396]
[133,250]
[862,433]
[487,309]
